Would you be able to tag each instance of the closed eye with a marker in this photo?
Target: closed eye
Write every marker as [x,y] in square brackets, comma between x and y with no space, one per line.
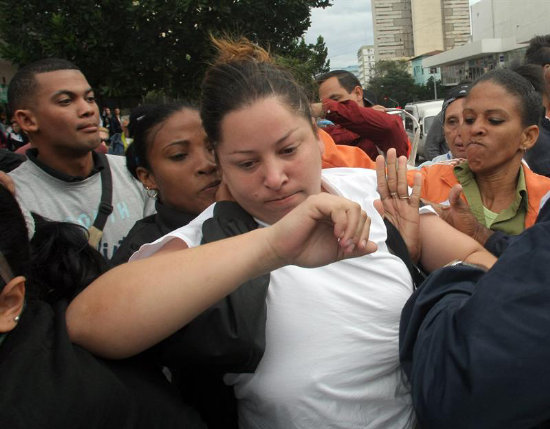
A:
[246,165]
[178,156]
[289,150]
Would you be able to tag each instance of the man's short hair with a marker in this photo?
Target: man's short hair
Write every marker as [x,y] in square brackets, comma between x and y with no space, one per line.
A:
[24,84]
[347,80]
[538,51]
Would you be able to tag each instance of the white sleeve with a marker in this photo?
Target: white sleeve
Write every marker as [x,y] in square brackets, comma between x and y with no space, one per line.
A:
[190,234]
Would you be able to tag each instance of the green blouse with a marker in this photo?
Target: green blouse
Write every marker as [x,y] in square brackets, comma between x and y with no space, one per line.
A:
[510,220]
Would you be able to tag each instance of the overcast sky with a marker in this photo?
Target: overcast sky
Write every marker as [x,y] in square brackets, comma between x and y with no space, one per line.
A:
[345,26]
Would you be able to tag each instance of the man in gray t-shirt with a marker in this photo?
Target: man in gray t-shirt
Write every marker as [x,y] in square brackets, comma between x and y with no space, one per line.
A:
[55,106]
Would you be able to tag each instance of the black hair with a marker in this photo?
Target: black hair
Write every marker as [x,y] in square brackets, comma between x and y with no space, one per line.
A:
[538,51]
[62,261]
[57,263]
[347,80]
[529,100]
[243,74]
[14,242]
[459,91]
[24,84]
[143,120]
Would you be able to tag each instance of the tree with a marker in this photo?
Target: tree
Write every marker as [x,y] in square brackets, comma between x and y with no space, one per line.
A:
[394,86]
[306,61]
[128,48]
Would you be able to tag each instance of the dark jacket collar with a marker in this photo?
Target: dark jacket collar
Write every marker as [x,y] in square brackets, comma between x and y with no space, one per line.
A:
[99,164]
[169,219]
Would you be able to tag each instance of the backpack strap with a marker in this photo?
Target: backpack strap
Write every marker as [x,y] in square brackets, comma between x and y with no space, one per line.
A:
[105,204]
[398,247]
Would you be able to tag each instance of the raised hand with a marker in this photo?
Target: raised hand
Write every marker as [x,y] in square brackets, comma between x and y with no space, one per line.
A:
[459,215]
[400,208]
[323,229]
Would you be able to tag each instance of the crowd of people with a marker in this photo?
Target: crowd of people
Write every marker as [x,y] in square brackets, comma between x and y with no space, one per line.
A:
[261,260]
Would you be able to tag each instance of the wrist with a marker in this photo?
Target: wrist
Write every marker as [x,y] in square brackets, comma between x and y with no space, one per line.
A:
[268,256]
[482,234]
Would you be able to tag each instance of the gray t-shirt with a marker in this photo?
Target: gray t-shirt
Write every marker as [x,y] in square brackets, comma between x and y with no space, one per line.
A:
[78,201]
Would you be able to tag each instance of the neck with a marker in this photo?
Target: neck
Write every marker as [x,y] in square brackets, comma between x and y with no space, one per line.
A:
[498,188]
[67,163]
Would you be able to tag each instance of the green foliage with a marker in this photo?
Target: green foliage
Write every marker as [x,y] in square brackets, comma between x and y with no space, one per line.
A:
[128,48]
[392,80]
[306,61]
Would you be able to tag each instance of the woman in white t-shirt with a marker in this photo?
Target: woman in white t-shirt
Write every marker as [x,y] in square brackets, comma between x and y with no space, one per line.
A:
[331,355]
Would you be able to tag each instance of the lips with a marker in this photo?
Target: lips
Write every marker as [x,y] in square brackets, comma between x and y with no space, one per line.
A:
[281,199]
[88,127]
[211,186]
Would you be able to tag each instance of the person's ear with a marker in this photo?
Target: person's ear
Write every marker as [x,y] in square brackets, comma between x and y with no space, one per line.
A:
[529,137]
[26,120]
[146,177]
[357,94]
[12,299]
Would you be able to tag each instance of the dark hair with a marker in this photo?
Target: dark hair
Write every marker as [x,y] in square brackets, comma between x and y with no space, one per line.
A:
[347,79]
[242,74]
[143,120]
[58,262]
[538,51]
[62,261]
[14,242]
[459,91]
[529,100]
[24,84]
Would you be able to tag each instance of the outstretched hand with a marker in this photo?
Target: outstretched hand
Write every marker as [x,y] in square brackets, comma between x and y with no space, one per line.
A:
[459,215]
[400,208]
[323,229]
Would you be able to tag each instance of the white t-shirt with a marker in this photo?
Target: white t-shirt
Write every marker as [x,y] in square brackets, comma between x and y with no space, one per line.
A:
[332,333]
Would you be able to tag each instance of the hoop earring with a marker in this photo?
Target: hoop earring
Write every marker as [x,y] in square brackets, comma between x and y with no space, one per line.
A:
[151,193]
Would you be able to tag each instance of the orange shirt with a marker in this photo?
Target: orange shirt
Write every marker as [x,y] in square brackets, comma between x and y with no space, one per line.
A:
[343,156]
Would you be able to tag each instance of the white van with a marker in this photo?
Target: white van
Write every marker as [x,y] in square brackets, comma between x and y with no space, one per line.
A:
[424,112]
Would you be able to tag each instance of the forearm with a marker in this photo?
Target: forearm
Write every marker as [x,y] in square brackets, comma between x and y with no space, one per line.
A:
[441,244]
[135,305]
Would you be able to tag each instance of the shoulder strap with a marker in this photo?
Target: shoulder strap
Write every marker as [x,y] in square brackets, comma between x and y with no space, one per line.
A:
[105,204]
[398,247]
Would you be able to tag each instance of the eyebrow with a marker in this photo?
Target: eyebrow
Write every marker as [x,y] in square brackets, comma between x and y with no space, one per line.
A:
[70,93]
[179,142]
[279,141]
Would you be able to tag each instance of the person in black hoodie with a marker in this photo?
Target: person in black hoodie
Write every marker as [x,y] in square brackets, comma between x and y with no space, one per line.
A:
[171,156]
[47,381]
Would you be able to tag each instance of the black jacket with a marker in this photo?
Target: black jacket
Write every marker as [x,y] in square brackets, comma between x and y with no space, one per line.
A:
[476,345]
[148,229]
[48,382]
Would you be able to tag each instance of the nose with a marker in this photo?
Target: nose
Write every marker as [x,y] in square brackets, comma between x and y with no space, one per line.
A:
[206,164]
[458,138]
[274,174]
[477,127]
[87,108]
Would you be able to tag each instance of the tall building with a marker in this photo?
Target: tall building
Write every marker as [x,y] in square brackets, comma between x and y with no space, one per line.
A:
[501,31]
[407,28]
[365,59]
[393,32]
